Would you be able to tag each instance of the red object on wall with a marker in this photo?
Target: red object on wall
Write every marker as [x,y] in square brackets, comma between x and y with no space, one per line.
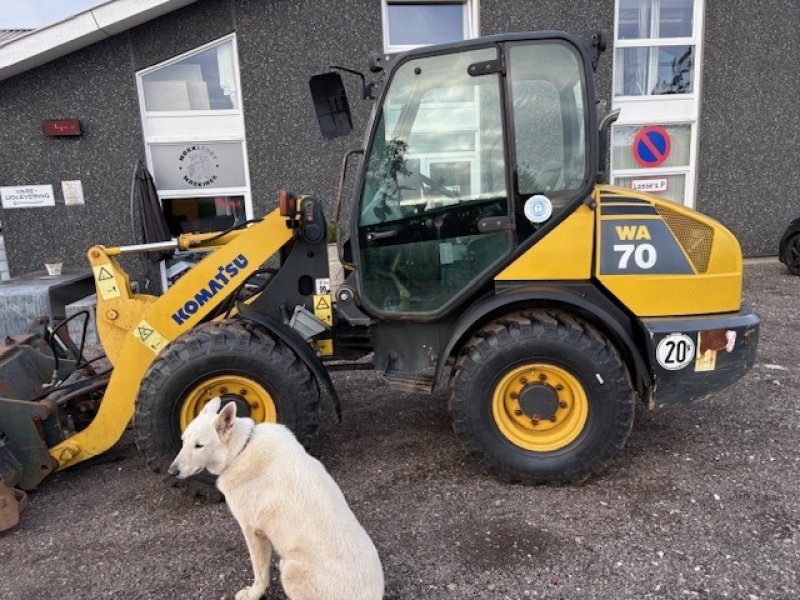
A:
[57,127]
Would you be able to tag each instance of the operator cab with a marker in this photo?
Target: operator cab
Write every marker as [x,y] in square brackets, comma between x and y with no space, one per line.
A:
[468,138]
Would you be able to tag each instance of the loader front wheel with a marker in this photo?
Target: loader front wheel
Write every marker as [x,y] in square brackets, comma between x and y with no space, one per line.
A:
[542,396]
[236,361]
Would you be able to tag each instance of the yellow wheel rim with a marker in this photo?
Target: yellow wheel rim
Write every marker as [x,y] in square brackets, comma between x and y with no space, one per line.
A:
[244,389]
[540,407]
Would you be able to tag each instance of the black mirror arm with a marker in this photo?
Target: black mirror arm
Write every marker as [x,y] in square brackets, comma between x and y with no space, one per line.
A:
[367,89]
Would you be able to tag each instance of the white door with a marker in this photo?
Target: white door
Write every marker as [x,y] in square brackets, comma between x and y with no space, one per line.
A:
[657,58]
[194,137]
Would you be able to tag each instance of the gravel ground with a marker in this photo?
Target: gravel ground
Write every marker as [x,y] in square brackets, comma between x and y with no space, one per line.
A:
[701,504]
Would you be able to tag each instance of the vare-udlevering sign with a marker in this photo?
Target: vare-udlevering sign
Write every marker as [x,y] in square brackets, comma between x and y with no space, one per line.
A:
[27,196]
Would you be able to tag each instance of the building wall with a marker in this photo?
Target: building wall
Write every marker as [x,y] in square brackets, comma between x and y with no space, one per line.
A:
[747,136]
[750,120]
[95,86]
[281,44]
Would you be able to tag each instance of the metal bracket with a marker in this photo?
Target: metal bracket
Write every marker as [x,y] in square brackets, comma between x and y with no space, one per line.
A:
[490,224]
[487,67]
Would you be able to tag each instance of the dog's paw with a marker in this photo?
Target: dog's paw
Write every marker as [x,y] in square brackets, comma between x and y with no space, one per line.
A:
[250,593]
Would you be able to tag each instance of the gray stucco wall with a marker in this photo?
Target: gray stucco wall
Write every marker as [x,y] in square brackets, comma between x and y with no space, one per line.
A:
[748,131]
[750,120]
[281,44]
[95,86]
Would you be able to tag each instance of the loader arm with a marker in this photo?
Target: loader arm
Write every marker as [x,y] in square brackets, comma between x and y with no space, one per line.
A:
[134,329]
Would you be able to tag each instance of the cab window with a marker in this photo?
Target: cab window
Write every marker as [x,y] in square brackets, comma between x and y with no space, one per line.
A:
[547,97]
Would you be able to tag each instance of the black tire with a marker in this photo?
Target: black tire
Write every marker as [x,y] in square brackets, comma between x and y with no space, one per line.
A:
[230,347]
[557,341]
[791,254]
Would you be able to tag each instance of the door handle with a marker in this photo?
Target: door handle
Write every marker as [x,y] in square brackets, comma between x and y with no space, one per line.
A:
[381,235]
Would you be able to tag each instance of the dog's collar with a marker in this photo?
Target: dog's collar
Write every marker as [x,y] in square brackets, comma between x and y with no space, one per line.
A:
[246,441]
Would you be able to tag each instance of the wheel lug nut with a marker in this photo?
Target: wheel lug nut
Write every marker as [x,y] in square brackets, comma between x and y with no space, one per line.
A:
[223,390]
[518,412]
[553,418]
[523,380]
[243,392]
[559,387]
[514,395]
[562,404]
[542,377]
[254,405]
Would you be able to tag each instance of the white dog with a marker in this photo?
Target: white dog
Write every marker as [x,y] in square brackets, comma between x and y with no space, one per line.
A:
[286,500]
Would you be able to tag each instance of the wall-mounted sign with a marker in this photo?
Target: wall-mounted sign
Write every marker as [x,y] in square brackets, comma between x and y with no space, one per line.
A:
[27,196]
[651,146]
[73,192]
[197,165]
[650,185]
[58,127]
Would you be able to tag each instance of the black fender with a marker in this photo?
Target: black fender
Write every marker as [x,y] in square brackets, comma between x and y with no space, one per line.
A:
[292,339]
[582,298]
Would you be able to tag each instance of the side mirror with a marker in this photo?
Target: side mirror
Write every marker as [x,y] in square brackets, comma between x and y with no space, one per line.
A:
[331,105]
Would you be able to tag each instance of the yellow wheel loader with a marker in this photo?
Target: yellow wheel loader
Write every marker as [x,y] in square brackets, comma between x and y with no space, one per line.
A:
[481,255]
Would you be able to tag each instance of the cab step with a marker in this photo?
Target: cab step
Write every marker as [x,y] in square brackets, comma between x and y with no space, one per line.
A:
[411,382]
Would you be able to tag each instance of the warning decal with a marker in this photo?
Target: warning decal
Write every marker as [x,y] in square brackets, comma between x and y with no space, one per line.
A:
[322,308]
[147,334]
[325,347]
[106,282]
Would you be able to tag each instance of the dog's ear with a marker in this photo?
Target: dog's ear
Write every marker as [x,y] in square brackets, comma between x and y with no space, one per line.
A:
[212,406]
[225,419]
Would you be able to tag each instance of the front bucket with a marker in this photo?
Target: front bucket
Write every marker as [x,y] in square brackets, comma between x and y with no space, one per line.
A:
[12,504]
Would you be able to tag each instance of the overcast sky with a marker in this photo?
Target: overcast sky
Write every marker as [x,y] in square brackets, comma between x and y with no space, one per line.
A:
[31,14]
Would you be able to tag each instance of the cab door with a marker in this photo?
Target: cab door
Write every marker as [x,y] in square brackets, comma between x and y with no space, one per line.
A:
[438,214]
[434,210]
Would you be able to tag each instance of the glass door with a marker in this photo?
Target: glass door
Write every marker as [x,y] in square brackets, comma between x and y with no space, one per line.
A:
[657,48]
[435,175]
[195,144]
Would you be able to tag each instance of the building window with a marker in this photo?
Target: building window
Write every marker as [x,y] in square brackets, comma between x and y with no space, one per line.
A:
[409,24]
[643,19]
[202,81]
[203,214]
[657,47]
[655,70]
[193,127]
[654,47]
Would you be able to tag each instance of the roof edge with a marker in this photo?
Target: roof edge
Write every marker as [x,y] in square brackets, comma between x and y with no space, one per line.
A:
[44,45]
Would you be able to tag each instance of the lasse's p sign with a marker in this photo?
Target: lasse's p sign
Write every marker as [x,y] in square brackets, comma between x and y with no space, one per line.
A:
[27,196]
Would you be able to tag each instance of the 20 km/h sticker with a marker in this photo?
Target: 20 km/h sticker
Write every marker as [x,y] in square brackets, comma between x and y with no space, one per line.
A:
[675,351]
[651,146]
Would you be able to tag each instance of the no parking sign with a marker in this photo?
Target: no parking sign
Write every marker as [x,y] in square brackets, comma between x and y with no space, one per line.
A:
[651,146]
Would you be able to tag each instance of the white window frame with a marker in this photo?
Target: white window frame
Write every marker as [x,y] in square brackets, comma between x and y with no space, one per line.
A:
[182,126]
[471,21]
[663,109]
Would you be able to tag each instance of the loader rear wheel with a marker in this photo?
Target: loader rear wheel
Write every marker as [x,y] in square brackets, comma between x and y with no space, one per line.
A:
[542,396]
[241,363]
